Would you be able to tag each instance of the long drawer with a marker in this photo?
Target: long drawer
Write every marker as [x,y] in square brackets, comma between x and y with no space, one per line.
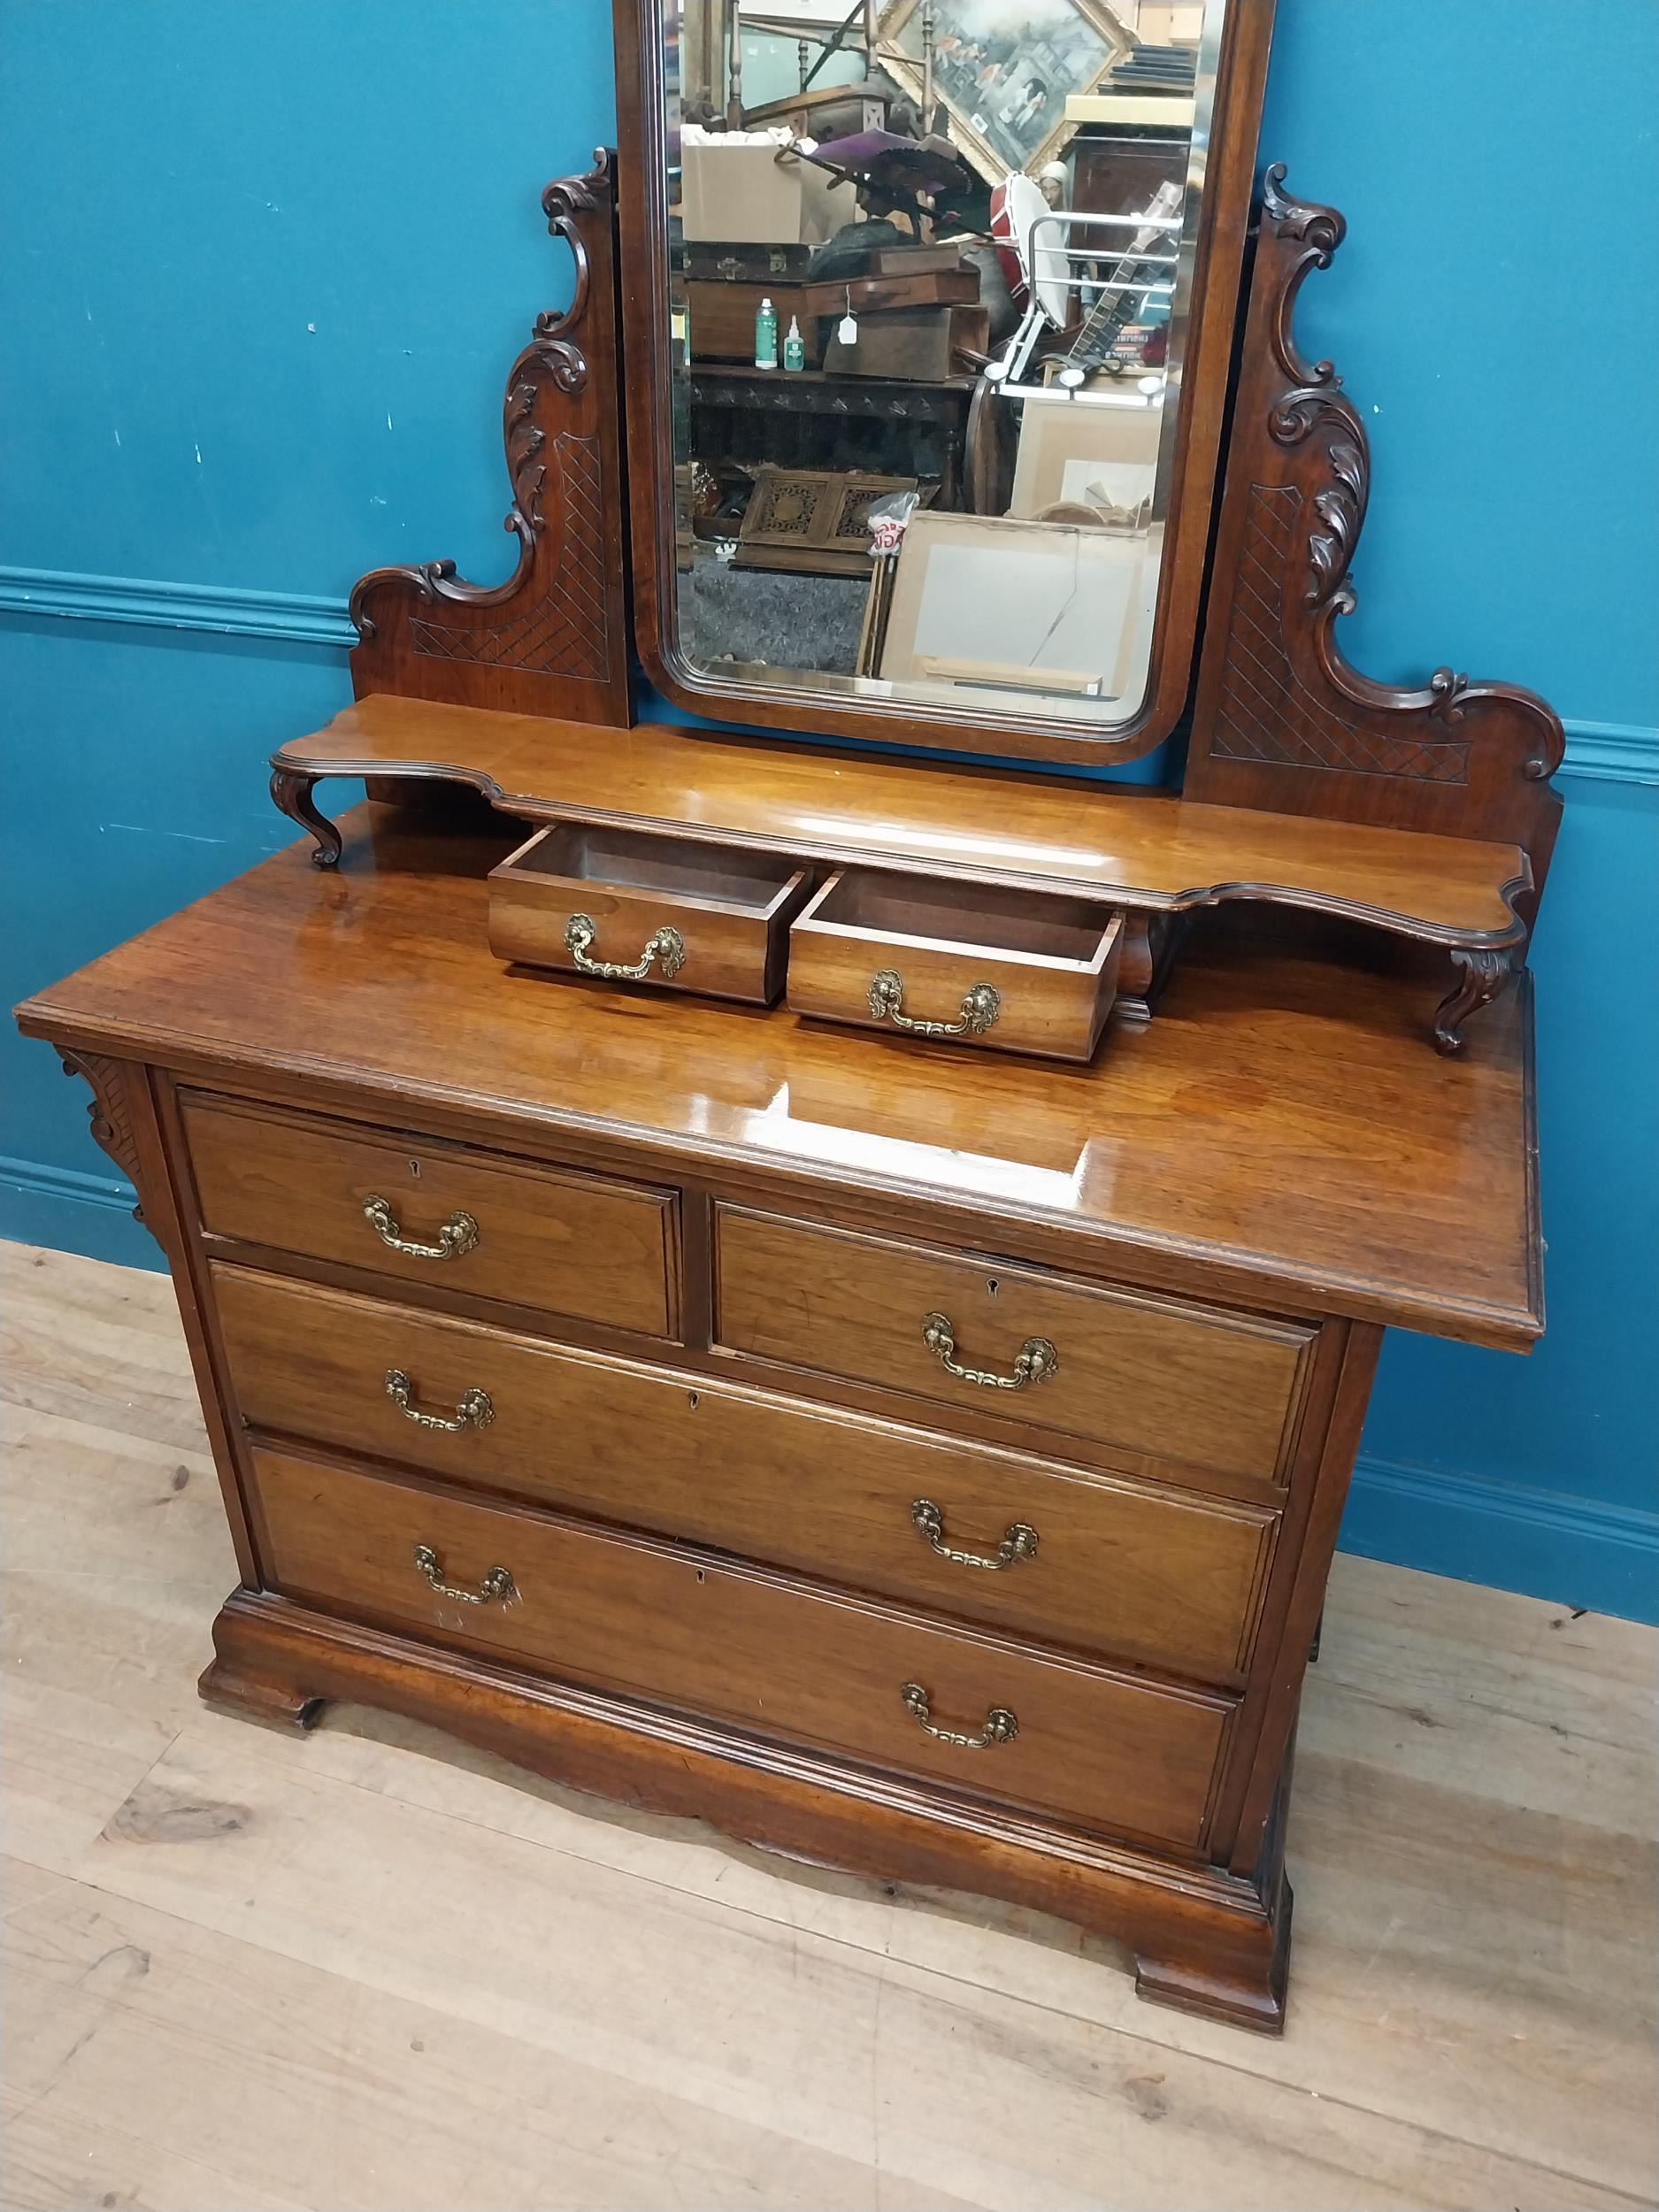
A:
[1145,1375]
[982,1534]
[588,1247]
[735,1644]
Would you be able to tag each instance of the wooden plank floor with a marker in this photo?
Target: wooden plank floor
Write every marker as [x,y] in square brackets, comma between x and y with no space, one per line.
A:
[371,1969]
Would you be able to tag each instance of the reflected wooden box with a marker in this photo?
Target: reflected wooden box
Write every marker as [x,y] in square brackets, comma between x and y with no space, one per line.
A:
[815,520]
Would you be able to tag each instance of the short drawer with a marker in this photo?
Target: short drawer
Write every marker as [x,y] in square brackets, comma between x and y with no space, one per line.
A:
[958,963]
[631,907]
[980,1534]
[1075,1742]
[1145,1375]
[584,1245]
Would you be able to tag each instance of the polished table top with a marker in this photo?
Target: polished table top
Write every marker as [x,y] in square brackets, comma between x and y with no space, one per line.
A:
[1282,1127]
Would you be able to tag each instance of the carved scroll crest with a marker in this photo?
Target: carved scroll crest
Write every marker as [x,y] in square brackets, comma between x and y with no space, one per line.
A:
[1283,721]
[553,638]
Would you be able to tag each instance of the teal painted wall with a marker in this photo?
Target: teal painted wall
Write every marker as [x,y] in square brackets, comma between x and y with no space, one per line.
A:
[264,268]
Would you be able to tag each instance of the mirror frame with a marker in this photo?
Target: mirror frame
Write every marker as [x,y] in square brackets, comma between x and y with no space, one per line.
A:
[1213,322]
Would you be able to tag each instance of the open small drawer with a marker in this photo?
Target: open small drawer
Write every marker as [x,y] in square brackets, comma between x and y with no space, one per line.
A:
[636,908]
[966,961]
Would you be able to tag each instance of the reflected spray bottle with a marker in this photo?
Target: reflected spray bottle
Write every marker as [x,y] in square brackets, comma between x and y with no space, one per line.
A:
[765,336]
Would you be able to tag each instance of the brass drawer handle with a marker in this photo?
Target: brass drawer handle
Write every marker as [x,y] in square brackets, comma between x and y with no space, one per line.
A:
[1035,1361]
[1019,1542]
[1000,1725]
[665,944]
[981,1003]
[497,1582]
[473,1410]
[457,1234]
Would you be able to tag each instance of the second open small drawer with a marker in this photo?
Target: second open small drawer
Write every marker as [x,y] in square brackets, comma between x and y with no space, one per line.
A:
[629,906]
[967,962]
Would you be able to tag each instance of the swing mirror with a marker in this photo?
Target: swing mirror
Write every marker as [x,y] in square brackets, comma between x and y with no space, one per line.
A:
[933,300]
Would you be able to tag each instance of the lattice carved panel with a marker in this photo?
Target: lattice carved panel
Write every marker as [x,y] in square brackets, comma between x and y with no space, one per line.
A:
[1265,712]
[568,632]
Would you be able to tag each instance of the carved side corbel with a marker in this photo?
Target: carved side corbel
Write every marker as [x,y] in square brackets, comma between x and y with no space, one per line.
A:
[291,794]
[111,1116]
[1481,975]
[1282,719]
[552,639]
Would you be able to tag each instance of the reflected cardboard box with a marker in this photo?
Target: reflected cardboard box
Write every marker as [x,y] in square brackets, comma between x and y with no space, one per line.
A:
[737,191]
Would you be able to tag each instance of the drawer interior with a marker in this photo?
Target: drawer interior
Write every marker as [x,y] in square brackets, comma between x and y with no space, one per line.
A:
[680,867]
[905,910]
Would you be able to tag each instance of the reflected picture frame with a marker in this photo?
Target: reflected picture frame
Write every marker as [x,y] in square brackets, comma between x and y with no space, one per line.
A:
[979,113]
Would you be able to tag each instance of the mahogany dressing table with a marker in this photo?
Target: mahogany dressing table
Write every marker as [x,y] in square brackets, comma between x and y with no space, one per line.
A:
[831,1292]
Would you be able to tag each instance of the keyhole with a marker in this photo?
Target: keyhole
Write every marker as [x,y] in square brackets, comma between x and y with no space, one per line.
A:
[414,1169]
[991,1285]
[691,1400]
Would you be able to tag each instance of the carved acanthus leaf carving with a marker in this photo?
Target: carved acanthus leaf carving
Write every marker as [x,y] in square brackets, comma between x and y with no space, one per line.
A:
[1340,506]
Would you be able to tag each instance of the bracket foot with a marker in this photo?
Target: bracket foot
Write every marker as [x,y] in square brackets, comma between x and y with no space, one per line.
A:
[1244,1987]
[277,1703]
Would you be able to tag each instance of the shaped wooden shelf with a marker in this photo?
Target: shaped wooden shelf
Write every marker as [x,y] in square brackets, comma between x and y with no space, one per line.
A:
[1152,856]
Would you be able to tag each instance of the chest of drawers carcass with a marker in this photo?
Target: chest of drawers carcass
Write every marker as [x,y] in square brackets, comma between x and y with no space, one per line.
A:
[914,1463]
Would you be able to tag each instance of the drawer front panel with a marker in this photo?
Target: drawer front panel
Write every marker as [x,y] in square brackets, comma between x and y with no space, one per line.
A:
[584,1245]
[889,951]
[1124,1369]
[671,913]
[1097,1749]
[1102,1566]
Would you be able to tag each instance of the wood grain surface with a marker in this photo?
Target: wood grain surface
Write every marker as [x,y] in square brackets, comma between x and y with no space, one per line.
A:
[587,1247]
[1118,1568]
[1184,1382]
[1276,1136]
[686,1630]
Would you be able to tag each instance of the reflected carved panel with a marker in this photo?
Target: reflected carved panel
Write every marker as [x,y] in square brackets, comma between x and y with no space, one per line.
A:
[553,638]
[1283,721]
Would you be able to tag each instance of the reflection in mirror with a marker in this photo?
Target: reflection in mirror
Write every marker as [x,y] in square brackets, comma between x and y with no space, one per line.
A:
[929,266]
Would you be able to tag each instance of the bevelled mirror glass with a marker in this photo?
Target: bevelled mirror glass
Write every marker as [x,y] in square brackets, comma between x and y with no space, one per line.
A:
[928,272]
